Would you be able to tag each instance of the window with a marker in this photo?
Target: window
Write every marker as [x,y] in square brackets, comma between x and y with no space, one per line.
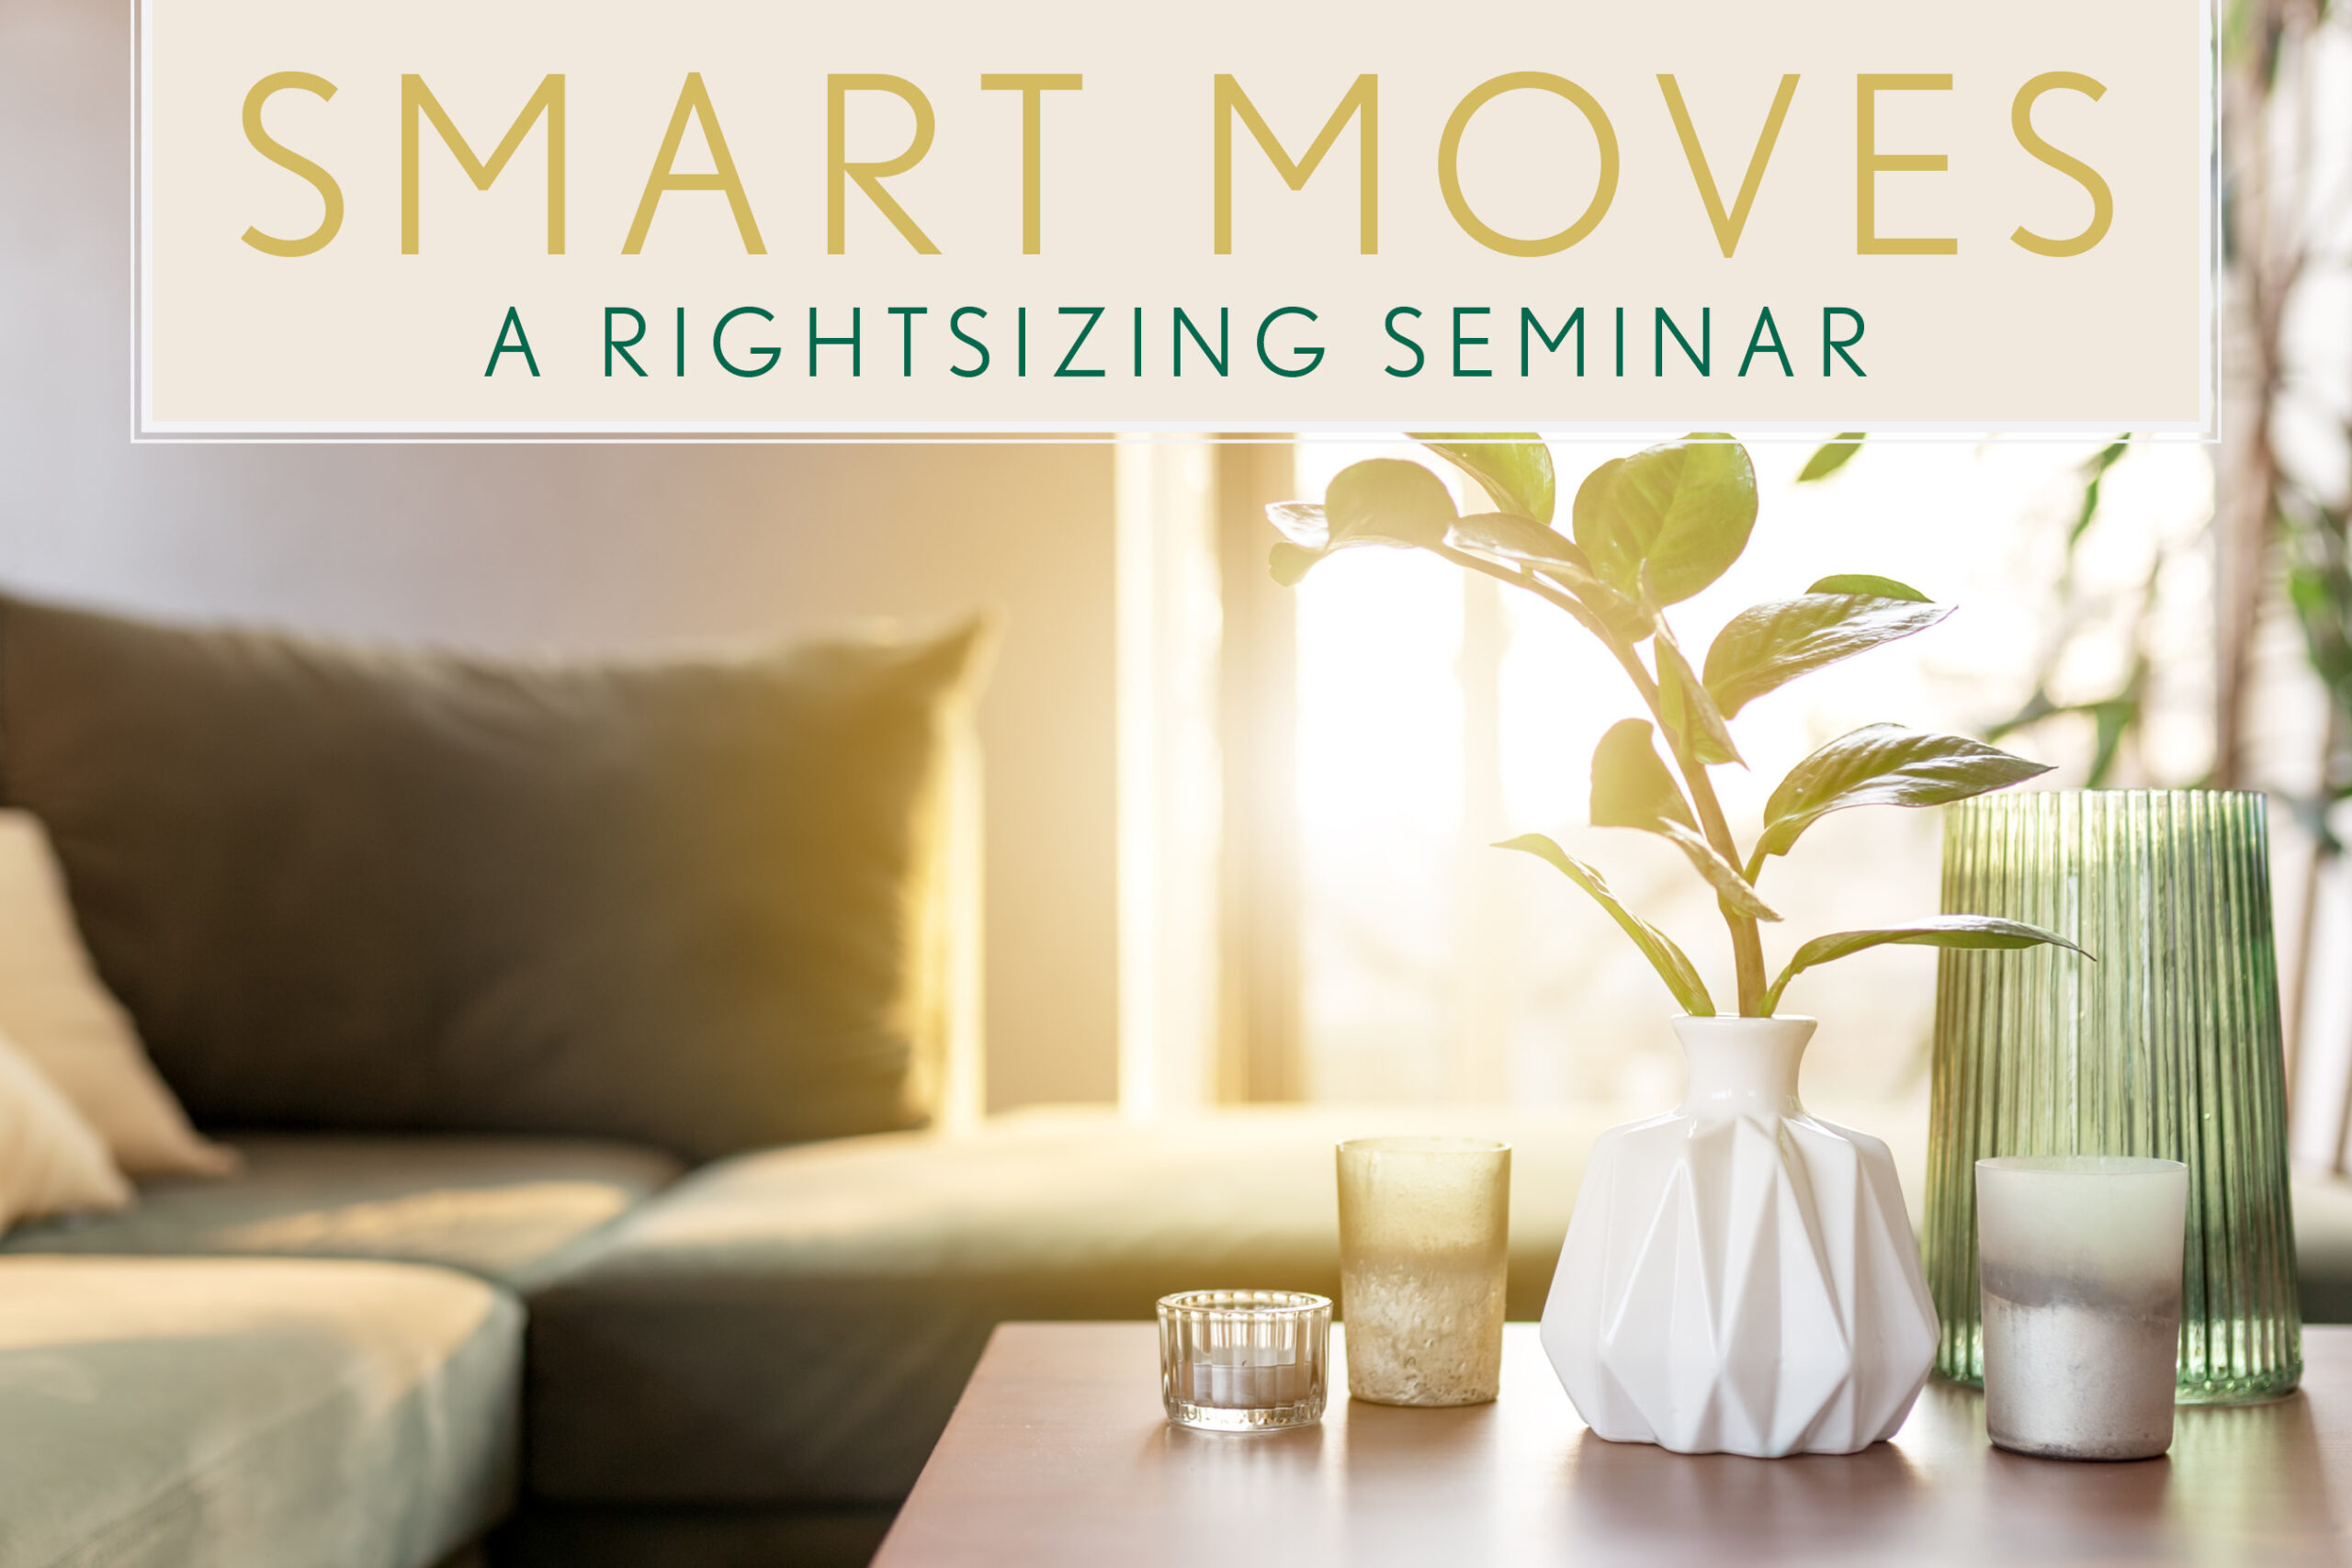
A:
[1356,745]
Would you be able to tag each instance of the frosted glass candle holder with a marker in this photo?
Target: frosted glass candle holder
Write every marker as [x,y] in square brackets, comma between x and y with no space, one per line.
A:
[1424,1246]
[1244,1360]
[2080,1258]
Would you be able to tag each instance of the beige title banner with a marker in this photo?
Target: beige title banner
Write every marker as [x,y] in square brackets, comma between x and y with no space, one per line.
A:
[506,217]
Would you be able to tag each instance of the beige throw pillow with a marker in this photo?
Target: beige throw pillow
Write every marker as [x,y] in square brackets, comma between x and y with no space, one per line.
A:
[51,1161]
[60,1016]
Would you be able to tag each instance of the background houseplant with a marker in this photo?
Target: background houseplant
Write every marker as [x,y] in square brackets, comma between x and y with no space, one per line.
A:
[1780,1344]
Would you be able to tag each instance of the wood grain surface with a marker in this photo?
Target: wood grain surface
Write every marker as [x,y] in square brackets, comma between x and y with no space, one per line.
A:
[1058,1454]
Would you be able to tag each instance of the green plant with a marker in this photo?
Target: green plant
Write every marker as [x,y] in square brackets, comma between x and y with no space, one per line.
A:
[1646,532]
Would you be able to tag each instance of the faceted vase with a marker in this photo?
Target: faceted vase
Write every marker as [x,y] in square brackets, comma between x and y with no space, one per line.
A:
[2166,1047]
[1740,1277]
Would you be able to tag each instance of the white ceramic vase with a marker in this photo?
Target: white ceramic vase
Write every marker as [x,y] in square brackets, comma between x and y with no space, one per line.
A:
[1740,1277]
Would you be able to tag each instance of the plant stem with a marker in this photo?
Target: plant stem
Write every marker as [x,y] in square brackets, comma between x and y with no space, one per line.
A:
[1746,943]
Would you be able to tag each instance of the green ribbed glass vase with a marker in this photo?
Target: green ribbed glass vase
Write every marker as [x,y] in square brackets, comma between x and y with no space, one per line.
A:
[2168,1047]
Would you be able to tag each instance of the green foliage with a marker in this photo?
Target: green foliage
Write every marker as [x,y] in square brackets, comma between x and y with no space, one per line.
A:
[1936,930]
[1673,965]
[1668,521]
[1864,583]
[1765,646]
[2118,717]
[1830,457]
[1884,764]
[1520,541]
[2319,588]
[1631,788]
[1514,471]
[1389,501]
[1512,541]
[2095,472]
[1384,501]
[1649,531]
[1687,709]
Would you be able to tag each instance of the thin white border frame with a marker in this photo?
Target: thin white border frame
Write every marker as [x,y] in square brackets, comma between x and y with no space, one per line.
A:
[146,430]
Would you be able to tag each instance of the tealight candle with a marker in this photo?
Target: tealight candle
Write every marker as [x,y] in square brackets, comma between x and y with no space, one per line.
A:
[1424,1249]
[2080,1260]
[1244,1360]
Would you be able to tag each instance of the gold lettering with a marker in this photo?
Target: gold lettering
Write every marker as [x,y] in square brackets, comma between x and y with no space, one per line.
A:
[1728,225]
[2074,168]
[869,176]
[1449,163]
[416,98]
[1032,89]
[330,193]
[693,102]
[1869,162]
[1363,98]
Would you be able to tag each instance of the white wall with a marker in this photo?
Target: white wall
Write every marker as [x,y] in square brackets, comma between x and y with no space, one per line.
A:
[566,547]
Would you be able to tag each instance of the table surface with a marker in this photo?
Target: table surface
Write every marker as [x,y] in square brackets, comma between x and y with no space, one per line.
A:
[1058,1454]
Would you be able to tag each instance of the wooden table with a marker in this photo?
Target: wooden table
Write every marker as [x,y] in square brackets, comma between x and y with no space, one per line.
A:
[1058,1455]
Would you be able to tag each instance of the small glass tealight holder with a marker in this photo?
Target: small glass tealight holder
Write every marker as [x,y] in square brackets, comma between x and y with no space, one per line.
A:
[2080,1260]
[1244,1360]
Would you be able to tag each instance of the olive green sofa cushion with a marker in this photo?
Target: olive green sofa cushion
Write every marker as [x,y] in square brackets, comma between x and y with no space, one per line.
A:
[795,1326]
[512,1211]
[178,1413]
[694,903]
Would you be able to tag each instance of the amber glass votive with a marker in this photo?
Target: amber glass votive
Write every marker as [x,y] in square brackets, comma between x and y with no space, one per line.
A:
[1244,1360]
[1424,1254]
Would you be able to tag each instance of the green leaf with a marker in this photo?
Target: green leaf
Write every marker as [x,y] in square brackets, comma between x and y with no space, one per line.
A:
[1674,516]
[1593,521]
[1884,764]
[1734,891]
[1517,541]
[1673,965]
[1831,457]
[1382,501]
[2110,721]
[1631,788]
[1515,469]
[1302,523]
[1290,563]
[1936,930]
[2093,474]
[1386,501]
[1506,537]
[1688,708]
[1863,583]
[1765,646]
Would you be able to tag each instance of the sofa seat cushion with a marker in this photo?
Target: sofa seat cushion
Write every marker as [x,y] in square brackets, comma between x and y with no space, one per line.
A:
[796,1326]
[192,1413]
[512,1209]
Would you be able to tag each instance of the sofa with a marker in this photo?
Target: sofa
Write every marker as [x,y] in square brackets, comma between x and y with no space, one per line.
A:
[484,1287]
